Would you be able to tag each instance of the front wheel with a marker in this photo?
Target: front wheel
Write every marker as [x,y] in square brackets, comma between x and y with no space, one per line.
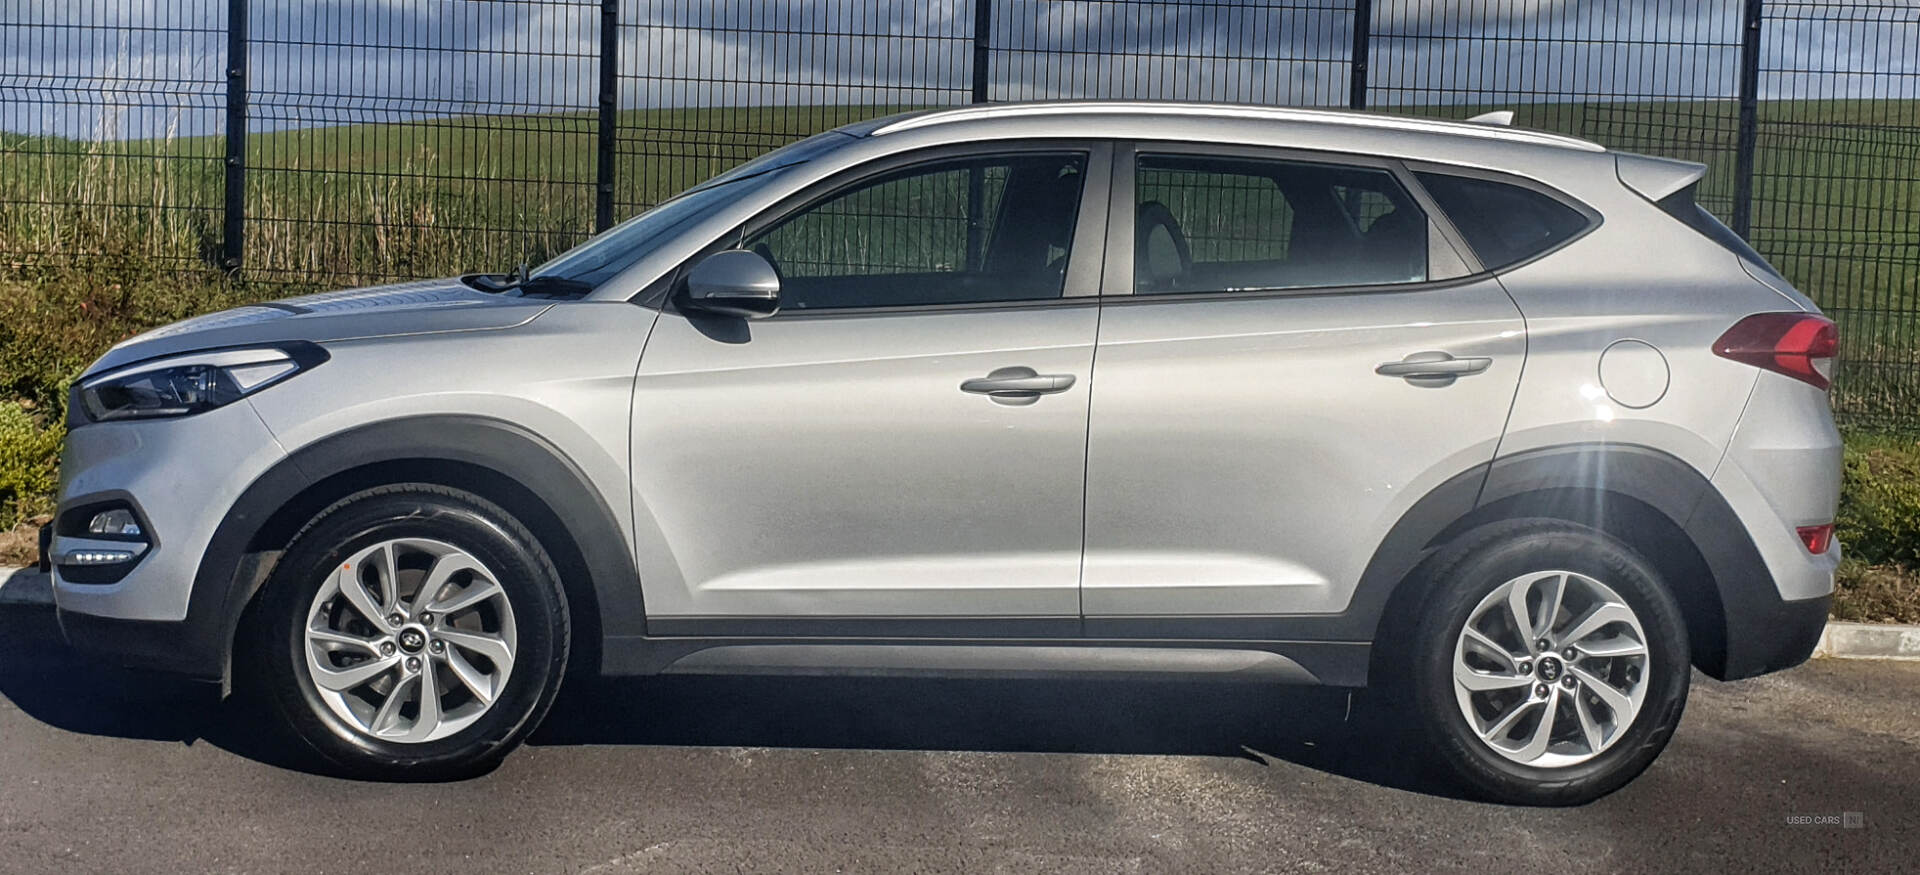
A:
[1550,664]
[413,632]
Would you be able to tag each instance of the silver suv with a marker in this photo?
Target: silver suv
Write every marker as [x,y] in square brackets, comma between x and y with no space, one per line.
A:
[1496,420]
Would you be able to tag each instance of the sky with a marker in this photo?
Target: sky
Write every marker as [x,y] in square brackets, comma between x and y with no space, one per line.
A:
[125,69]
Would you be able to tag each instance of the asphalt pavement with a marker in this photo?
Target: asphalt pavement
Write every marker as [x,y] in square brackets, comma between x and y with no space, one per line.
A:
[103,770]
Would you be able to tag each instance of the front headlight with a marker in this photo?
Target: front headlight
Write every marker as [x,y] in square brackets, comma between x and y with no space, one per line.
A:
[182,385]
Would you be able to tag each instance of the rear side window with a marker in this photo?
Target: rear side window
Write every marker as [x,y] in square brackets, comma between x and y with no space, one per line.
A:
[1207,224]
[1504,224]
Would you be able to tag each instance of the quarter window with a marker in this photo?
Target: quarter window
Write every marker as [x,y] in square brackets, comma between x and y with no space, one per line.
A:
[1503,223]
[1213,224]
[977,230]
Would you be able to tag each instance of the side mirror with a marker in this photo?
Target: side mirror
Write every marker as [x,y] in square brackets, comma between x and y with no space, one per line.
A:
[734,282]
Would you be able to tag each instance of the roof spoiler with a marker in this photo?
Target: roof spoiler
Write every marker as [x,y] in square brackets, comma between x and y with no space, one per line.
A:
[1656,178]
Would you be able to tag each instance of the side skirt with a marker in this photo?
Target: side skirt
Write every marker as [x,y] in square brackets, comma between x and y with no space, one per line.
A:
[1330,663]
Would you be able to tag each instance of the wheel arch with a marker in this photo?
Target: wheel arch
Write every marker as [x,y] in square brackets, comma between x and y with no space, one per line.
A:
[1655,503]
[504,463]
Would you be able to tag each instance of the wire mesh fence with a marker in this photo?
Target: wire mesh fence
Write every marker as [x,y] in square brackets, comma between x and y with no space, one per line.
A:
[359,141]
[403,140]
[1836,186]
[103,113]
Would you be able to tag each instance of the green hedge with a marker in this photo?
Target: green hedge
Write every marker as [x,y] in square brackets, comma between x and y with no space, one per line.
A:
[29,463]
[1879,519]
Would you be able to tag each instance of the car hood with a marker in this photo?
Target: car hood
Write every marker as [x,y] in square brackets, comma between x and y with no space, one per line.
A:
[426,307]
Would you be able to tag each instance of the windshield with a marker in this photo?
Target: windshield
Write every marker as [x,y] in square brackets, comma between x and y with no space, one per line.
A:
[613,250]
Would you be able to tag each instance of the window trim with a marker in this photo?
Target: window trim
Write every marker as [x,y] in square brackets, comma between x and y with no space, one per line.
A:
[1118,282]
[1081,284]
[1594,217]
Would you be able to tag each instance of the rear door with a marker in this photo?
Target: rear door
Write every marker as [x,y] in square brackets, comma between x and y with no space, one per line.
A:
[901,449]
[1290,354]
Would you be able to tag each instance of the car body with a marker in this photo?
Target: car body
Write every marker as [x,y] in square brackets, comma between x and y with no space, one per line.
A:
[1151,388]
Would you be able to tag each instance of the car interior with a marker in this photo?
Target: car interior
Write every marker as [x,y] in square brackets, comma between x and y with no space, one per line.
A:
[913,239]
[1328,226]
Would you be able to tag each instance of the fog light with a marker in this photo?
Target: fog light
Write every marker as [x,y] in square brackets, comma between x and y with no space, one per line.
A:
[96,557]
[118,522]
[1816,538]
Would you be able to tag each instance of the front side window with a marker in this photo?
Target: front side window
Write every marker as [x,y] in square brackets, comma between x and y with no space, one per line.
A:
[1219,224]
[976,230]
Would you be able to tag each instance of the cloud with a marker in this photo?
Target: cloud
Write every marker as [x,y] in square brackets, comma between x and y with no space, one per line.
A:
[141,68]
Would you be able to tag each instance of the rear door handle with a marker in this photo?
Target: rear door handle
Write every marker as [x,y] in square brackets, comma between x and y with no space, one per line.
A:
[1432,368]
[1017,385]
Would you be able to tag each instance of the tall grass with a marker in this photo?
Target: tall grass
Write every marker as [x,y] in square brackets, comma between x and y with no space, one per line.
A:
[131,207]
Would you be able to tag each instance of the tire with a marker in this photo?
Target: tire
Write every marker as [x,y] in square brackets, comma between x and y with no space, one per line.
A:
[511,642]
[1445,666]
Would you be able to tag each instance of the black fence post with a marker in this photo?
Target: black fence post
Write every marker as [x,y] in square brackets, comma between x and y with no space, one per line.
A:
[609,114]
[1362,42]
[982,28]
[976,178]
[1749,118]
[234,227]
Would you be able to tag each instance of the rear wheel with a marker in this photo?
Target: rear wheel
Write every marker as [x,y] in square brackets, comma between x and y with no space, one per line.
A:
[413,632]
[1549,665]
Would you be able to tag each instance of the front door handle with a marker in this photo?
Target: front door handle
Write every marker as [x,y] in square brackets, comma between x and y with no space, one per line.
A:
[1017,385]
[1433,368]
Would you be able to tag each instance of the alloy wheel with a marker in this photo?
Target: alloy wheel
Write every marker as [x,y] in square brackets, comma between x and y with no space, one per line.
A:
[410,640]
[1551,668]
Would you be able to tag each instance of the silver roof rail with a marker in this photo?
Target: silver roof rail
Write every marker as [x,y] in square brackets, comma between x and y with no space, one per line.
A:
[986,112]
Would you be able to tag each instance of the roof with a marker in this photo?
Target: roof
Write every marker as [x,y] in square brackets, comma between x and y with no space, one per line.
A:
[1143,108]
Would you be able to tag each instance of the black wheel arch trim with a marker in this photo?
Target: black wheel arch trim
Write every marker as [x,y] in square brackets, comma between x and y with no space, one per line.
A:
[231,570]
[1733,615]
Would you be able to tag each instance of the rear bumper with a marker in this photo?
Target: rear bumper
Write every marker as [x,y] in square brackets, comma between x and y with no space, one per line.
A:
[1782,470]
[1772,612]
[1764,638]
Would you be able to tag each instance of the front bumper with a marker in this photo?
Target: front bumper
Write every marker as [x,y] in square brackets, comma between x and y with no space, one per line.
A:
[190,649]
[182,476]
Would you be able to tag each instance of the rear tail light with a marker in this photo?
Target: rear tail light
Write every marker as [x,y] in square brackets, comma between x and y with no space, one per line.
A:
[1816,538]
[1799,345]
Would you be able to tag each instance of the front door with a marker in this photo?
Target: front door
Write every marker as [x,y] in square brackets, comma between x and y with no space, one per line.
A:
[901,449]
